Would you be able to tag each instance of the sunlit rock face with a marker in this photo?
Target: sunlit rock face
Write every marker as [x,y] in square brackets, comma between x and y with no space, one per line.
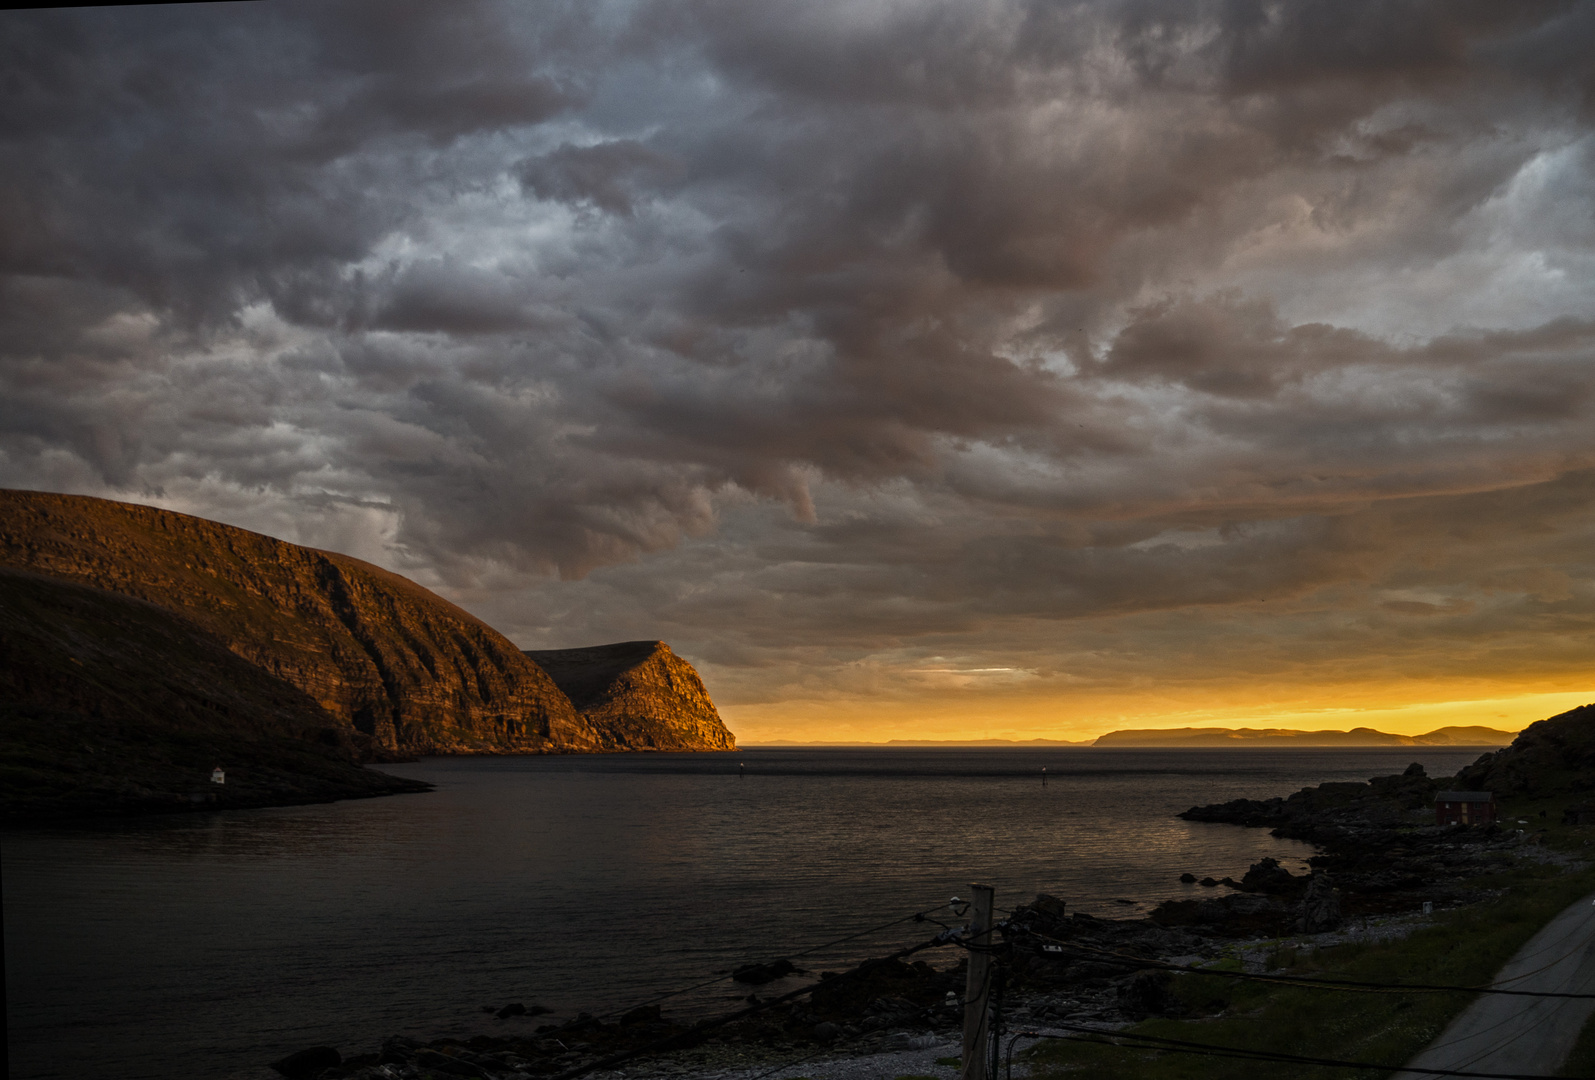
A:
[399,668]
[638,695]
[112,705]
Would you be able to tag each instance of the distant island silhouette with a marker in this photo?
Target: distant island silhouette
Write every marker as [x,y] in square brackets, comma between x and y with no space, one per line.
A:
[1215,737]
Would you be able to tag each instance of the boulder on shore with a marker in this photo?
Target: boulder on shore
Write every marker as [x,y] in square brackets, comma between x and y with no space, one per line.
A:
[1320,905]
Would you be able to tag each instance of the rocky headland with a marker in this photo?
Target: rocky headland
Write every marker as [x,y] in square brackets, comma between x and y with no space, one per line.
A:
[162,626]
[637,695]
[1378,842]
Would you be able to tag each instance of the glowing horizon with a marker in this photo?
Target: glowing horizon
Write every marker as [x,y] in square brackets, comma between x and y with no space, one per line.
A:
[753,724]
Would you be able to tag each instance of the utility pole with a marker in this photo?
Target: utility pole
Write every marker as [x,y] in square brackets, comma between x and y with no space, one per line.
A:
[977,991]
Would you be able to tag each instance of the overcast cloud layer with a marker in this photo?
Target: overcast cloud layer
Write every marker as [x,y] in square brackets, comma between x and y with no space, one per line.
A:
[863,350]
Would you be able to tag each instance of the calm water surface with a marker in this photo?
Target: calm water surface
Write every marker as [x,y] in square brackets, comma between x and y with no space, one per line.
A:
[197,945]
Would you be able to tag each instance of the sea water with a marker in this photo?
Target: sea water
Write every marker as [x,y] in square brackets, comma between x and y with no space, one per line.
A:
[199,944]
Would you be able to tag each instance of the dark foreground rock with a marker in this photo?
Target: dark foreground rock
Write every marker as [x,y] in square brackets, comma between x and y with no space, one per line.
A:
[1376,841]
[1323,813]
[1058,966]
[759,974]
[308,1064]
[862,1009]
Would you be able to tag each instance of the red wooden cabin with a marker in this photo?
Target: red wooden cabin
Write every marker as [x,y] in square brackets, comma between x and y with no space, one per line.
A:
[1465,808]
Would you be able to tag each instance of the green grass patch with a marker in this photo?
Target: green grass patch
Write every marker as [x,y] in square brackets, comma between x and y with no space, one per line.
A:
[951,1062]
[1465,947]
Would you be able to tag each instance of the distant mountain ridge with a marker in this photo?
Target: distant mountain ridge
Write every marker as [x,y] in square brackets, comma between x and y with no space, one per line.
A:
[1177,737]
[1445,736]
[928,743]
[989,742]
[371,660]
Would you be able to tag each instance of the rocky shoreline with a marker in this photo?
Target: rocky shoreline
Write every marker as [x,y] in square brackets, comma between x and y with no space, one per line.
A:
[1379,851]
[1380,861]
[887,1020]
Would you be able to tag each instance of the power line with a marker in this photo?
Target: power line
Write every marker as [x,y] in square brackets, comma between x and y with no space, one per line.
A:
[1350,985]
[1094,1036]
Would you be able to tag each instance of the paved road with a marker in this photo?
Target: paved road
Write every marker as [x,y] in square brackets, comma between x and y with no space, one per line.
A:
[1501,1034]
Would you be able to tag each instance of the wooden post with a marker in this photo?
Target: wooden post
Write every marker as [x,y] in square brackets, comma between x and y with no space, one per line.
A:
[977,990]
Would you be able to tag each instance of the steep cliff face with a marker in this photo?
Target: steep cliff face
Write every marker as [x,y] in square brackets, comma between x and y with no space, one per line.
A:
[109,704]
[395,666]
[639,696]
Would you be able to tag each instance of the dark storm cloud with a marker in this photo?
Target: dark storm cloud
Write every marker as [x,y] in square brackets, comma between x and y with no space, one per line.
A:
[1020,310]
[607,175]
[201,155]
